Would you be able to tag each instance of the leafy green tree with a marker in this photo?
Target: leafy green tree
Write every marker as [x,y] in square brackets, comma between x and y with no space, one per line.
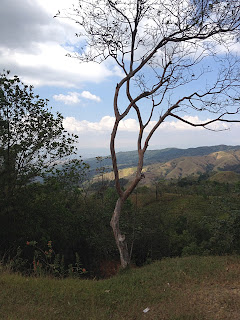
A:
[31,140]
[31,137]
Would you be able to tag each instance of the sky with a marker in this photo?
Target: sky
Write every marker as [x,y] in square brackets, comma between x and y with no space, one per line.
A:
[33,45]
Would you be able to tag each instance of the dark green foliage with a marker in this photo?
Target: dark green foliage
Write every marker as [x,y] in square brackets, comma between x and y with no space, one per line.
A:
[183,221]
[189,217]
[197,217]
[193,218]
[31,137]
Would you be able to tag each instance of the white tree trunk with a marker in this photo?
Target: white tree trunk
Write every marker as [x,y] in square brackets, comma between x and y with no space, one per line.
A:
[120,238]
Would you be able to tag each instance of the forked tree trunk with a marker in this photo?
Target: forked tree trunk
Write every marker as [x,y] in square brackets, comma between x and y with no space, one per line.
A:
[120,238]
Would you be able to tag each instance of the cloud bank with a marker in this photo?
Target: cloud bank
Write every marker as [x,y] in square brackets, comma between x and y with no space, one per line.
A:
[131,125]
[93,135]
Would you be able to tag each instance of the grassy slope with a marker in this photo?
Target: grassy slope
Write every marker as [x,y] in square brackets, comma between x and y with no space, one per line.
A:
[226,176]
[130,158]
[173,289]
[185,166]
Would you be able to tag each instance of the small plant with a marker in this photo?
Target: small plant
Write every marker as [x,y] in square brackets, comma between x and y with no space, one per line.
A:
[14,262]
[48,262]
[76,270]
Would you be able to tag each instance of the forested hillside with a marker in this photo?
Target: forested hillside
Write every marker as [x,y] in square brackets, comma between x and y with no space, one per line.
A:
[186,166]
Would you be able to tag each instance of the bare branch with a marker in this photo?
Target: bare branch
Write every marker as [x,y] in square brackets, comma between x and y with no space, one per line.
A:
[205,124]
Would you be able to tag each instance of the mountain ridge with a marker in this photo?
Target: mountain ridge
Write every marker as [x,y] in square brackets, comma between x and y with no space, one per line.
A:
[225,159]
[130,158]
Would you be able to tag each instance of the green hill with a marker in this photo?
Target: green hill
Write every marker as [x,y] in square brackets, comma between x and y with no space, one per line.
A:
[219,161]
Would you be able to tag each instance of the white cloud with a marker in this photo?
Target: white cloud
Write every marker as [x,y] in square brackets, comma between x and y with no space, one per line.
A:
[131,125]
[33,45]
[182,126]
[70,98]
[90,96]
[74,97]
[74,125]
[170,134]
[50,66]
[105,124]
[54,5]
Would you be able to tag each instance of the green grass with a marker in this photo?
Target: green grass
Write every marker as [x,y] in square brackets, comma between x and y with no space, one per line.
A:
[173,289]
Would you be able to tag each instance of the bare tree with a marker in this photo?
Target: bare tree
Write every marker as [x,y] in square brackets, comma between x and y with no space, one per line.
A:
[177,57]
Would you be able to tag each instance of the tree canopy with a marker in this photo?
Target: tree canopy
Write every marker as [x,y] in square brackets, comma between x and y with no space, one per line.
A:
[31,137]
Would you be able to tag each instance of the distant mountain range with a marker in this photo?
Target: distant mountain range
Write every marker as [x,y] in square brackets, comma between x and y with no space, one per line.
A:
[130,158]
[176,163]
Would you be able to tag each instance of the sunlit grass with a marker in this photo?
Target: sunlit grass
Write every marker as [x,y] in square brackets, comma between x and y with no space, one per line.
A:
[175,289]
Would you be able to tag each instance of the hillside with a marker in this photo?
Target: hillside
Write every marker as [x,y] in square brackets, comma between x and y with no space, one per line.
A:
[187,288]
[223,176]
[193,166]
[130,158]
[216,162]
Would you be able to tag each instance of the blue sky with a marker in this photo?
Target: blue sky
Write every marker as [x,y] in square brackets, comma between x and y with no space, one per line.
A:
[33,45]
